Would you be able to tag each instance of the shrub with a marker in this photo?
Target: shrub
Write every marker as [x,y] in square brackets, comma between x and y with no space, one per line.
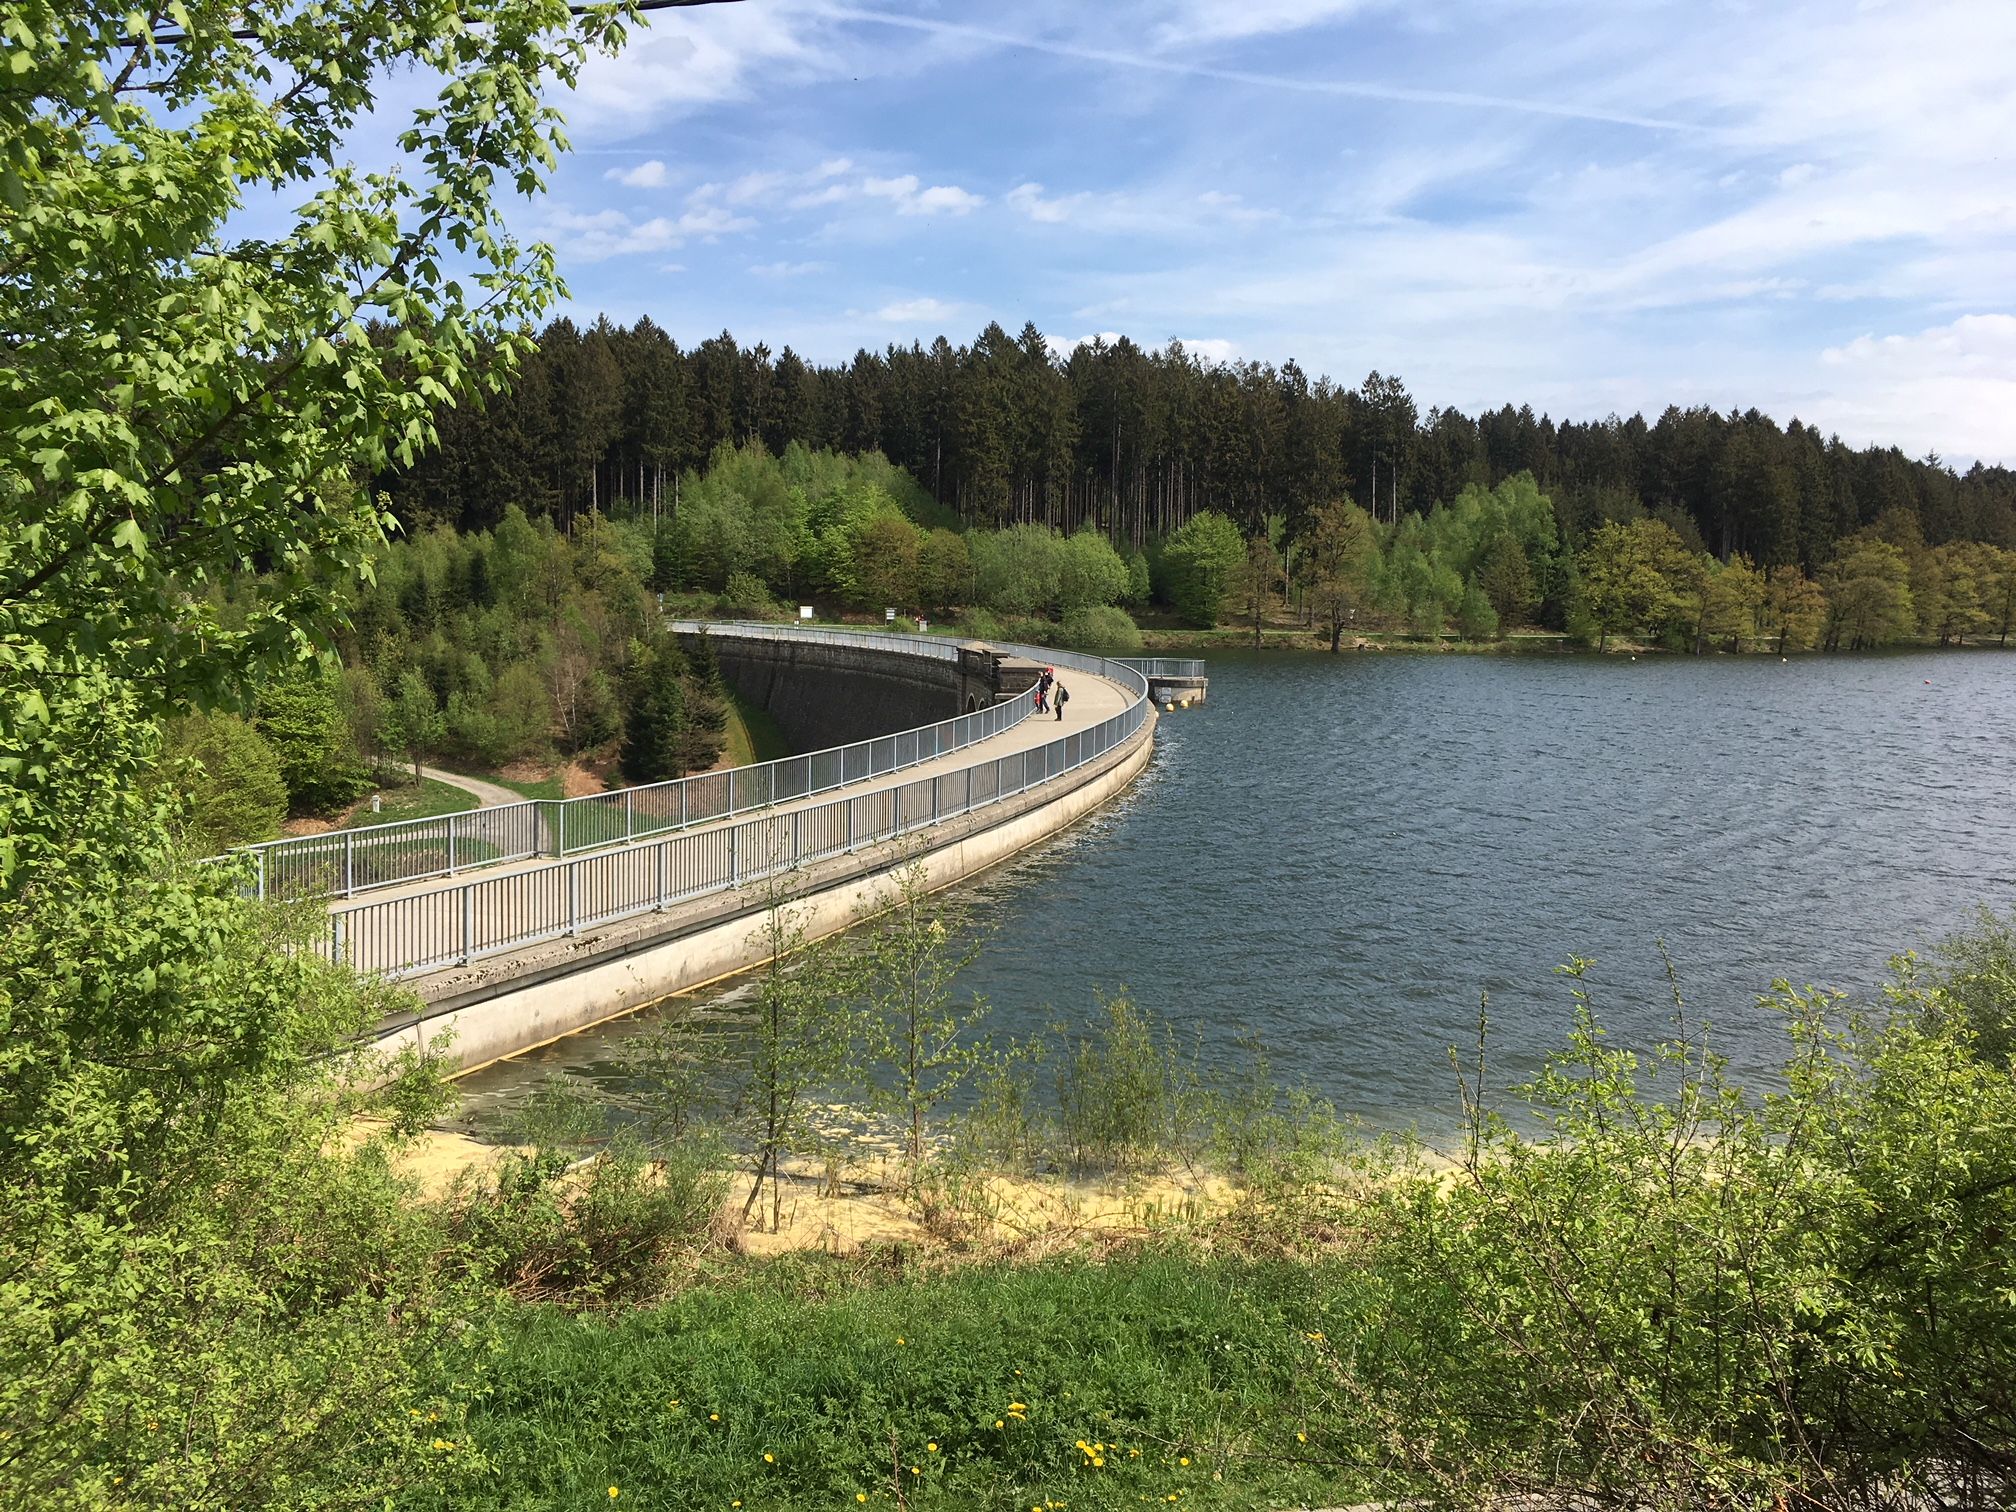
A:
[978,624]
[1101,628]
[747,594]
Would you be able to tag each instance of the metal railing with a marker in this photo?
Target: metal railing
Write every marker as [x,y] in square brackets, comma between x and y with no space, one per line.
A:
[462,922]
[1162,666]
[343,863]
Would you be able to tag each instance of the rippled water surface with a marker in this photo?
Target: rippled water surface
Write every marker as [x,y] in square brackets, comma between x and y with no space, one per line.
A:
[1339,855]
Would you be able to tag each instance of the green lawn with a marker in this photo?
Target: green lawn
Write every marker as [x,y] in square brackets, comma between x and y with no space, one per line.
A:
[405,801]
[803,1384]
[545,787]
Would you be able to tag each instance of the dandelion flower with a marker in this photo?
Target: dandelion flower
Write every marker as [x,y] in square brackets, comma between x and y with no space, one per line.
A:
[771,1459]
[899,1338]
[614,1493]
[998,1423]
[1018,1406]
[1301,1438]
[930,1448]
[713,1417]
[1183,1459]
[860,1496]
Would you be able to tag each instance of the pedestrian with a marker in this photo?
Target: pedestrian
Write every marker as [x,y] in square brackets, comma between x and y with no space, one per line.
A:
[1063,697]
[1039,698]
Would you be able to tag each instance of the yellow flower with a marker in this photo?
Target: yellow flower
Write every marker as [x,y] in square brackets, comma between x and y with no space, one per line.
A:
[713,1417]
[998,1423]
[930,1448]
[614,1493]
[899,1338]
[860,1496]
[1301,1438]
[1018,1406]
[768,1458]
[1183,1459]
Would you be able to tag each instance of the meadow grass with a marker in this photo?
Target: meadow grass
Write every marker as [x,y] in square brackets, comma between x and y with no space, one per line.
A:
[809,1382]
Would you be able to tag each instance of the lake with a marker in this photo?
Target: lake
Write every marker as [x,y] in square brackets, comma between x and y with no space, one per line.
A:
[1338,855]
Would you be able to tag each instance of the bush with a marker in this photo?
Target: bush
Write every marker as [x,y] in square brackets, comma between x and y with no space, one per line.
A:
[978,624]
[1101,628]
[747,595]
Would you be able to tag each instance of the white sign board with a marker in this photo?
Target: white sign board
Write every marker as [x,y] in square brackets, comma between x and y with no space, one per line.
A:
[804,611]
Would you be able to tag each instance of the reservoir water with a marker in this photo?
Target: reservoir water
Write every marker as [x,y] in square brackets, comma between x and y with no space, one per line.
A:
[1337,855]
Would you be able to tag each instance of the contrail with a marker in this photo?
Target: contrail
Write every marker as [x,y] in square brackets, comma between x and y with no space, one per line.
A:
[1345,88]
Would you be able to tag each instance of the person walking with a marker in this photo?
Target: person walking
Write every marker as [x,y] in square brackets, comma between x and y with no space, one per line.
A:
[1040,705]
[1060,697]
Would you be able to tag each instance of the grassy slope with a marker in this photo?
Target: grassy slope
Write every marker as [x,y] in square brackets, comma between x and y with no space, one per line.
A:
[1157,1358]
[752,735]
[409,802]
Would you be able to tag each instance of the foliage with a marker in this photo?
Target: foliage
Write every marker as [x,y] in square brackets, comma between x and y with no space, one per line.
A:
[413,721]
[1336,562]
[1101,628]
[182,404]
[1868,595]
[802,1045]
[229,780]
[301,718]
[1200,562]
[1628,577]
[202,1298]
[1689,1294]
[673,723]
[912,1025]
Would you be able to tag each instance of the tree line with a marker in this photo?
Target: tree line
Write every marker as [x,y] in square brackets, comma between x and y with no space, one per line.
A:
[1134,442]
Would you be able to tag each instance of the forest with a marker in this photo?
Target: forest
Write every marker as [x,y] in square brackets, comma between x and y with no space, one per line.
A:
[1134,442]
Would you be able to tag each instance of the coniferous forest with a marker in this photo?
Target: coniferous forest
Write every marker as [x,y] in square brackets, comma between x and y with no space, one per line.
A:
[1136,441]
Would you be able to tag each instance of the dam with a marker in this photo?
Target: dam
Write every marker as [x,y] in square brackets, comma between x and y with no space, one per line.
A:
[519,924]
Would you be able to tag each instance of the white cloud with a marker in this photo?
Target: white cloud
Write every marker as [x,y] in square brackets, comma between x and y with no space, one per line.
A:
[646,175]
[904,192]
[1950,389]
[915,311]
[1028,198]
[588,237]
[788,269]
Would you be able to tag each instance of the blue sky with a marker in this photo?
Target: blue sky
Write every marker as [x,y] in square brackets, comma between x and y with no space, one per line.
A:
[1809,208]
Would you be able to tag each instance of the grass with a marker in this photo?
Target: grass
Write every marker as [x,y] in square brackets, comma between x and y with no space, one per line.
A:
[407,801]
[545,787]
[752,735]
[1161,1377]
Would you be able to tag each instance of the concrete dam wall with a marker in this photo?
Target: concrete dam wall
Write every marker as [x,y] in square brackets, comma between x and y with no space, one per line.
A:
[828,695]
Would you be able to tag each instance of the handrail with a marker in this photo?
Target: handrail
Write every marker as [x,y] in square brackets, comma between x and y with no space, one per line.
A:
[1162,666]
[343,863]
[461,922]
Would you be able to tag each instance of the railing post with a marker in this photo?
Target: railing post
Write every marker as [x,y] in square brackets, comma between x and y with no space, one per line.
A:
[797,835]
[892,809]
[850,824]
[573,900]
[734,862]
[468,923]
[629,814]
[664,872]
[560,831]
[260,857]
[682,804]
[451,845]
[349,863]
[934,799]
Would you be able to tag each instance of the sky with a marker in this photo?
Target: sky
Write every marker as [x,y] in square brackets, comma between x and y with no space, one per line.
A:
[1808,208]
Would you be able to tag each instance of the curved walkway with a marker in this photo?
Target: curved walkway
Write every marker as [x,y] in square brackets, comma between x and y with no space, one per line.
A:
[487,794]
[417,928]
[1093,700]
